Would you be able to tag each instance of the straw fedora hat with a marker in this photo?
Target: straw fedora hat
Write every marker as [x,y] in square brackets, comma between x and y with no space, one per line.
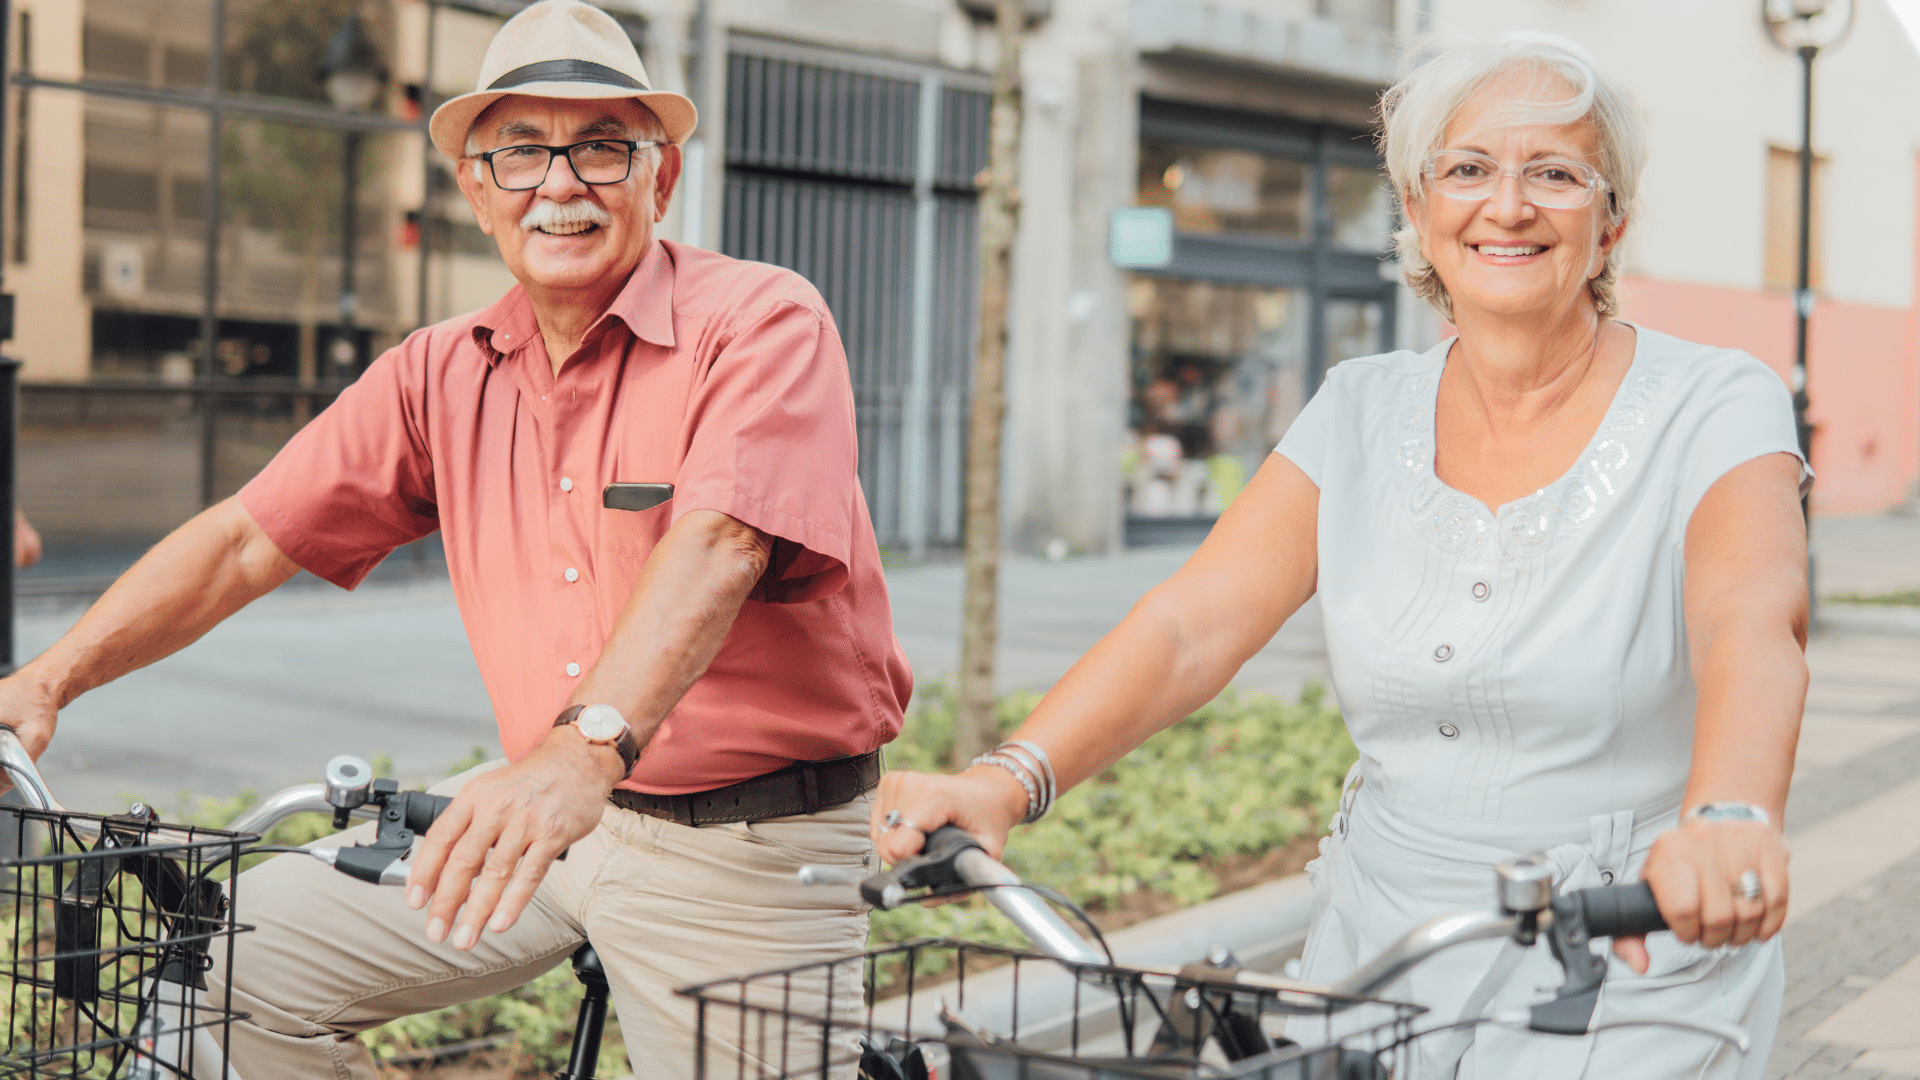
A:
[559,49]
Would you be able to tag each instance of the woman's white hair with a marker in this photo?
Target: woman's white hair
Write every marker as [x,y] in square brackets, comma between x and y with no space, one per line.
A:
[1440,73]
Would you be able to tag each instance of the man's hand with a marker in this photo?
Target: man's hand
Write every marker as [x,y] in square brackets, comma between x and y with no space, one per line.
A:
[491,848]
[30,709]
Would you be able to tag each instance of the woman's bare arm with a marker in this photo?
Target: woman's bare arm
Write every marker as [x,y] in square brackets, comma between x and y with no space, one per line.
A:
[1173,653]
[1746,612]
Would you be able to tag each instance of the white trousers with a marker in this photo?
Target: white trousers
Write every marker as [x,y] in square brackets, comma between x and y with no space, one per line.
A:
[1387,867]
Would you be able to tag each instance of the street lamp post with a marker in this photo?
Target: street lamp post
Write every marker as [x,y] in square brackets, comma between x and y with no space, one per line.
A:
[1804,27]
[352,73]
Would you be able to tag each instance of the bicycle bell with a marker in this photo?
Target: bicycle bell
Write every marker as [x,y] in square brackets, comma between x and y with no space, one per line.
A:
[348,781]
[1524,885]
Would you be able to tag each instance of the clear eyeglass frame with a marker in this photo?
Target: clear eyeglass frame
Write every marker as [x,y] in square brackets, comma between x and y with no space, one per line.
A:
[538,174]
[1536,183]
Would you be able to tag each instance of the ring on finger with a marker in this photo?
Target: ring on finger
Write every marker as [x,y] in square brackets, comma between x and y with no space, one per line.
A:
[1748,886]
[893,820]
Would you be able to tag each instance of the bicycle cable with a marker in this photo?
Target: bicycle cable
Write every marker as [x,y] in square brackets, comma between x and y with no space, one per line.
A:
[262,849]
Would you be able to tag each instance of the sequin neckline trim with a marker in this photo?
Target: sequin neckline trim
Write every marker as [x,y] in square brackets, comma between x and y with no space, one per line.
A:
[1529,526]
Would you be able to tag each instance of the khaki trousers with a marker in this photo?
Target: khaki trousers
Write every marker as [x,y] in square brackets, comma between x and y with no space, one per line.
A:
[665,906]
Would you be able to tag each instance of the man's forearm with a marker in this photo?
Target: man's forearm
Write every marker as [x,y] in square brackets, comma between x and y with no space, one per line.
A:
[201,573]
[677,618]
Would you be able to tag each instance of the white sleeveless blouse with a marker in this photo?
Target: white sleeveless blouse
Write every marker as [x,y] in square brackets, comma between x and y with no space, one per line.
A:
[1518,681]
[1529,663]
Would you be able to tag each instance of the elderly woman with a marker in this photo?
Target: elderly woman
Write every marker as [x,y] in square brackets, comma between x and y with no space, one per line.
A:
[1561,566]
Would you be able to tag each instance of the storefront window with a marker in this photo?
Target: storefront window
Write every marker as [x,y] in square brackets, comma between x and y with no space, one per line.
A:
[1353,329]
[1361,206]
[1215,190]
[1218,375]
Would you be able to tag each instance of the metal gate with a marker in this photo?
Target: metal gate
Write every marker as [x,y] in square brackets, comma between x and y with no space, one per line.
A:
[862,181]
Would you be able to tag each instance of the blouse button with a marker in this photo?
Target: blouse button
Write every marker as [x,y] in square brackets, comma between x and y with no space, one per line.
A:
[1482,590]
[566,483]
[1448,731]
[573,669]
[1606,877]
[1443,654]
[572,574]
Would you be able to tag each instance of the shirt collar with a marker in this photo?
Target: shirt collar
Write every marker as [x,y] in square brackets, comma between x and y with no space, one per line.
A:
[505,326]
[644,304]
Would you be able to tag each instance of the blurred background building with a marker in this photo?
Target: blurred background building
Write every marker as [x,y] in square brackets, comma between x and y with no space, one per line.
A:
[218,211]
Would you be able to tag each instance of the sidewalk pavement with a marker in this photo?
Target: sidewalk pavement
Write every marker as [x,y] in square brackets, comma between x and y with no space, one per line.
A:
[264,700]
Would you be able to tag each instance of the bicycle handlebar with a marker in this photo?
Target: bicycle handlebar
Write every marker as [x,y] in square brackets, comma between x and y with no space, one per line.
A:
[1619,910]
[19,764]
[953,861]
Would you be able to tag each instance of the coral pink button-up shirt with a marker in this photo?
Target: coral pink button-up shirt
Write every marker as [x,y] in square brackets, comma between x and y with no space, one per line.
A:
[724,378]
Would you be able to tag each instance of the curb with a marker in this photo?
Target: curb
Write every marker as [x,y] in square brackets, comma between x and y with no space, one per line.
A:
[1264,926]
[1869,619]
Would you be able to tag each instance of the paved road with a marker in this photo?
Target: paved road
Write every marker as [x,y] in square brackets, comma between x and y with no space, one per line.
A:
[310,672]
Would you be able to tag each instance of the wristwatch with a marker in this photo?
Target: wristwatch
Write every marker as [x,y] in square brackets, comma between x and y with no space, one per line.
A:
[603,725]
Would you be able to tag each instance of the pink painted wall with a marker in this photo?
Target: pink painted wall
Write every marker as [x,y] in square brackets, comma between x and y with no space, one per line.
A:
[1864,369]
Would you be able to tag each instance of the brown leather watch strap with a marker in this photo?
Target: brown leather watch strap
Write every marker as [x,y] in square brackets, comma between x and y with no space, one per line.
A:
[626,745]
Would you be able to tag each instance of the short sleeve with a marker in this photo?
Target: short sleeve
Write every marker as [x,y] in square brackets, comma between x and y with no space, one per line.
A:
[1305,443]
[1741,411]
[772,444]
[356,482]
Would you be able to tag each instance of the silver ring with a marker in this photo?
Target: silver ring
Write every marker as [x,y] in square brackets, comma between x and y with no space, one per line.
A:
[893,820]
[1749,886]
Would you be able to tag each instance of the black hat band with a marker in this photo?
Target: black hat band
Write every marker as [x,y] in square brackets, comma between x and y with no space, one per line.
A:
[566,71]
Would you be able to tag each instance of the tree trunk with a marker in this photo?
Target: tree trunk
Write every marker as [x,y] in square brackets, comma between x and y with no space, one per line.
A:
[976,731]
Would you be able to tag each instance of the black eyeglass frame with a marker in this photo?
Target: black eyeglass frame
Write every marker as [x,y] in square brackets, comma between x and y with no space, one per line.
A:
[633,146]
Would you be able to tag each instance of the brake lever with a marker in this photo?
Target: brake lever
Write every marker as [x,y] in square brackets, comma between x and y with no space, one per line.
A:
[933,870]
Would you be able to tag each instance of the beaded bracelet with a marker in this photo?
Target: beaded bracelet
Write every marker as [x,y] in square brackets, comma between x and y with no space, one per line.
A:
[1020,773]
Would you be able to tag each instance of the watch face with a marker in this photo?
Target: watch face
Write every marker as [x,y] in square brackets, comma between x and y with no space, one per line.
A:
[601,723]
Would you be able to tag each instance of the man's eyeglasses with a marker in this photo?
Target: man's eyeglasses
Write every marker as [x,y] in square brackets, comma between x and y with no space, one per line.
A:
[596,161]
[1550,185]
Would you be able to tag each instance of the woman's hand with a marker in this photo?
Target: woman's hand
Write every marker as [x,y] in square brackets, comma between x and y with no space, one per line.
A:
[985,800]
[1695,873]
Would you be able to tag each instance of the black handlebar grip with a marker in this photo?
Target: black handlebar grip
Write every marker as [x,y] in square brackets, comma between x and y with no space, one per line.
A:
[1622,910]
[422,810]
[948,841]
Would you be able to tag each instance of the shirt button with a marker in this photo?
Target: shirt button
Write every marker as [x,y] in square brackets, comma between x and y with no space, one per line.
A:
[1482,590]
[573,669]
[1448,731]
[572,574]
[1443,654]
[566,483]
[1606,877]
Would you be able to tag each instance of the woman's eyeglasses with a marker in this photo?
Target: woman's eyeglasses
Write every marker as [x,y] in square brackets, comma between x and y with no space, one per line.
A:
[1552,185]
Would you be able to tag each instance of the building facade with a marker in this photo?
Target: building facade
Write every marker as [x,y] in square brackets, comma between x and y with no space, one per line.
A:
[841,138]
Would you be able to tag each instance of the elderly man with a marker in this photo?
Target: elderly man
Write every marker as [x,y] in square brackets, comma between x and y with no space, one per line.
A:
[691,696]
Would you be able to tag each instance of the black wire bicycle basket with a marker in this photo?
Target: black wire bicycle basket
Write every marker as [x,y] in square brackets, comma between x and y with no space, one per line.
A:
[968,1011]
[110,927]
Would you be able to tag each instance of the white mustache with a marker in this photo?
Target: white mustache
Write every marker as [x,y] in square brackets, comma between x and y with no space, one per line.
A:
[546,214]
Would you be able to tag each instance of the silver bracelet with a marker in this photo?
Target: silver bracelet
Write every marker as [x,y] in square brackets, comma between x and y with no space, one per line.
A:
[1019,770]
[1728,811]
[1032,750]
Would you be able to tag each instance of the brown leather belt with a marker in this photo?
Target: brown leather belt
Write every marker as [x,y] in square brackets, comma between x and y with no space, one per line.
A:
[801,788]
